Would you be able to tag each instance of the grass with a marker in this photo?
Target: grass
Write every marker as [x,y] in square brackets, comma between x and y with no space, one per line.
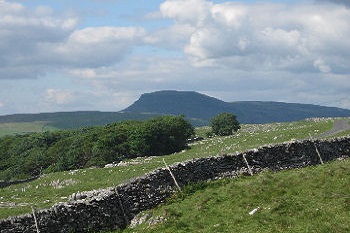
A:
[313,199]
[56,187]
[24,127]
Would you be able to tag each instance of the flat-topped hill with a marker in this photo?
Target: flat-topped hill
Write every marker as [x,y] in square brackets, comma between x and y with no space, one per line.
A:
[196,105]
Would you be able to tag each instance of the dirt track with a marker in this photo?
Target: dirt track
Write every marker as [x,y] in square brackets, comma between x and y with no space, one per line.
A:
[339,126]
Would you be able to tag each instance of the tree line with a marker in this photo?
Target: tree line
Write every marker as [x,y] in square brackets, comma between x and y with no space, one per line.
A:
[28,155]
[23,156]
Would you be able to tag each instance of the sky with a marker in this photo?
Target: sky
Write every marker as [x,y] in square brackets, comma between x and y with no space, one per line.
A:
[103,54]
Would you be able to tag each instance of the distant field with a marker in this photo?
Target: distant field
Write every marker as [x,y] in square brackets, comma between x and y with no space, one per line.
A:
[24,123]
[24,127]
[56,187]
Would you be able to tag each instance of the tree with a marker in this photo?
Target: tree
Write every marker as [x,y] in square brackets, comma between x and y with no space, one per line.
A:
[224,124]
[113,141]
[168,134]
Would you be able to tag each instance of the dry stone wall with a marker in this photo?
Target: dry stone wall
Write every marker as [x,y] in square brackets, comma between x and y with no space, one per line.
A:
[4,184]
[115,207]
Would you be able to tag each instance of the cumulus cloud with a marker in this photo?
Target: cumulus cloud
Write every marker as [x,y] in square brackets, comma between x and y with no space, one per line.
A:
[255,36]
[100,46]
[23,33]
[34,42]
[193,12]
[273,35]
[174,37]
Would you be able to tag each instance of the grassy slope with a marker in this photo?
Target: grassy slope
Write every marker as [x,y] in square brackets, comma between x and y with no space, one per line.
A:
[56,187]
[313,199]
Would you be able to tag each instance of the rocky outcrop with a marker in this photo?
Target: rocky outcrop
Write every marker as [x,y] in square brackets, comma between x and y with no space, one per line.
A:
[115,207]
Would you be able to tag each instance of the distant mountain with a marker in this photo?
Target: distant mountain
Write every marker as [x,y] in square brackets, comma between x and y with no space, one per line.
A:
[198,109]
[195,105]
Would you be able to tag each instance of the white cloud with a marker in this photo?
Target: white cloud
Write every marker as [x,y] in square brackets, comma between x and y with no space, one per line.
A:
[59,97]
[322,66]
[10,7]
[229,14]
[193,12]
[288,37]
[73,99]
[36,42]
[100,46]
[174,37]
[23,35]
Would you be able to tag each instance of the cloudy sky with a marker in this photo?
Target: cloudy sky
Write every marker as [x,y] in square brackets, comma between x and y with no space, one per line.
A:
[103,54]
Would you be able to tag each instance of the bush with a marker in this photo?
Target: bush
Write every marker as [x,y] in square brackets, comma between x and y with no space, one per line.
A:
[168,134]
[224,124]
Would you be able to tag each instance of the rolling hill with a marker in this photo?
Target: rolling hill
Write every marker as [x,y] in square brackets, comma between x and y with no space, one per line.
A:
[195,105]
[40,122]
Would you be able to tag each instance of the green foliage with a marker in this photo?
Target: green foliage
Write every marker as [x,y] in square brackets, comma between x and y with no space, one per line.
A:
[168,134]
[224,124]
[31,154]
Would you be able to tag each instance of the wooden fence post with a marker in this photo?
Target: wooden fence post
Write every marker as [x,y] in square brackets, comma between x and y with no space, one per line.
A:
[35,220]
[318,153]
[246,162]
[172,175]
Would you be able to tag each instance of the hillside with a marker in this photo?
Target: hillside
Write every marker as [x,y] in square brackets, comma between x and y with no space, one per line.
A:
[198,108]
[196,105]
[283,202]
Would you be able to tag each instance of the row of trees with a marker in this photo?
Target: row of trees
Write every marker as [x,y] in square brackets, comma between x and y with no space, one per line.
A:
[28,155]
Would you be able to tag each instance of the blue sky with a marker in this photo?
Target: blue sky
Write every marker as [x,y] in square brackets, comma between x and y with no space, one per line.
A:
[103,54]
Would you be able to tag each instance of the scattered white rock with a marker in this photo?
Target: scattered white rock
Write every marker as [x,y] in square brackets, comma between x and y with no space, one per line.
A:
[254,211]
[139,219]
[156,220]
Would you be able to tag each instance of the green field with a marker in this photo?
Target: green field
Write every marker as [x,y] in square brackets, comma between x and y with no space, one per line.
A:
[56,187]
[24,127]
